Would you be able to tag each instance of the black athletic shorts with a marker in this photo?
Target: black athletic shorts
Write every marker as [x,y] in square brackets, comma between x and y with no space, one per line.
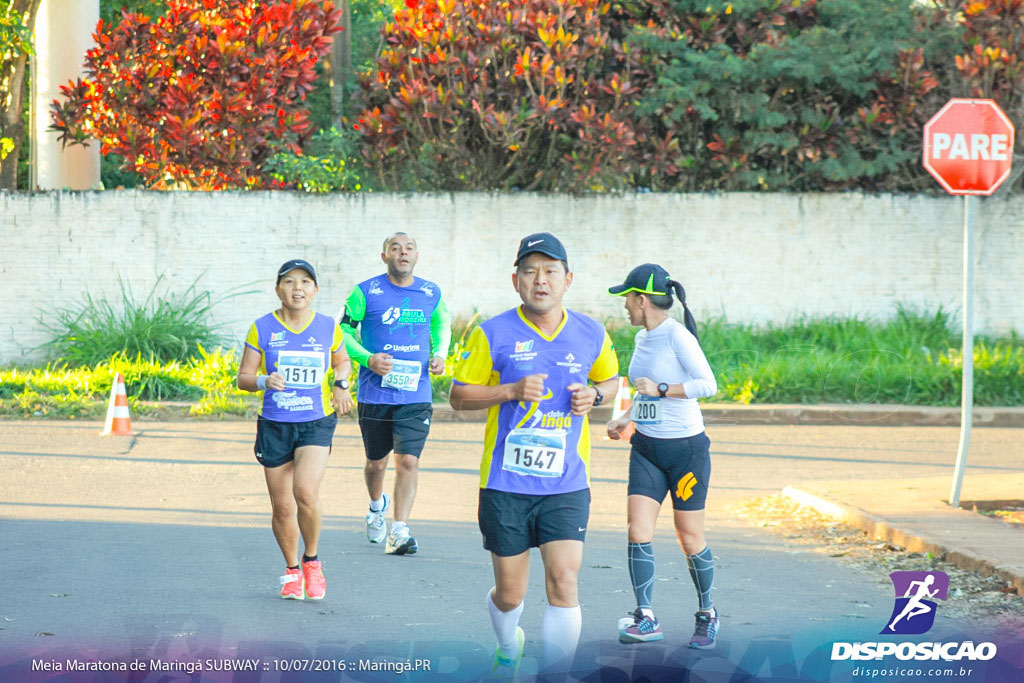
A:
[680,466]
[512,523]
[276,441]
[399,428]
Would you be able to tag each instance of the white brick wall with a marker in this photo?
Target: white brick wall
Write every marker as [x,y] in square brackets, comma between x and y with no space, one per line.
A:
[752,257]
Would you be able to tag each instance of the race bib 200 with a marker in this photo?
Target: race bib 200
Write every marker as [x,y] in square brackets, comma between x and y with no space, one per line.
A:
[646,410]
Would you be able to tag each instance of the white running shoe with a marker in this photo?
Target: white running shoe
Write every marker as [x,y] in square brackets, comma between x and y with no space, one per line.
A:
[401,543]
[376,525]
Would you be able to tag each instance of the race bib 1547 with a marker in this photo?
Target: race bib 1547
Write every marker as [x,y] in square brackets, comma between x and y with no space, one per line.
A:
[535,452]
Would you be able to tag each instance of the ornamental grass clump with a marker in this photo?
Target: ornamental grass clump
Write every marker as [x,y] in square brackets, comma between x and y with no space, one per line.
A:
[163,327]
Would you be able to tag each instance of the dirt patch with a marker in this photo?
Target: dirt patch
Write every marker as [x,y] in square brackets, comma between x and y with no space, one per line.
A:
[973,596]
[1010,511]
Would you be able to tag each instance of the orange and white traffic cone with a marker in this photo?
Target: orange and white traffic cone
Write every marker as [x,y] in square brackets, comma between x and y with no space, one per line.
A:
[119,422]
[622,406]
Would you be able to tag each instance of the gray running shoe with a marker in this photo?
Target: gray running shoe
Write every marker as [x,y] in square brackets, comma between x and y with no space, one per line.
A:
[643,629]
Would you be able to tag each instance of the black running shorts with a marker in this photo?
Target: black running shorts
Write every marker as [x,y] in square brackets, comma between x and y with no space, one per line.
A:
[399,428]
[512,523]
[681,467]
[276,441]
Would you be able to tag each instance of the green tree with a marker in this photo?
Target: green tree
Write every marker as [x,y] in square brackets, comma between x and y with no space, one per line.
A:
[368,17]
[17,18]
[111,10]
[796,94]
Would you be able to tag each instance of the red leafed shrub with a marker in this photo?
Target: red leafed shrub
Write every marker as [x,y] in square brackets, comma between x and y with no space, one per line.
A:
[202,97]
[503,94]
[993,64]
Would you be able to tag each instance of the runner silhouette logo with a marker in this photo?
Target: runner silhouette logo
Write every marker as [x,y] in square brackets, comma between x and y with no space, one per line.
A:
[914,611]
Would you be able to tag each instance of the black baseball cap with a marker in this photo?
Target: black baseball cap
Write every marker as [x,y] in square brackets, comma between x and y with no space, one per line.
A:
[541,243]
[292,265]
[650,278]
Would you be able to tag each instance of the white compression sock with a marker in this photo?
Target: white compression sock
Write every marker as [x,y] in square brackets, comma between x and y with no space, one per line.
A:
[505,626]
[560,633]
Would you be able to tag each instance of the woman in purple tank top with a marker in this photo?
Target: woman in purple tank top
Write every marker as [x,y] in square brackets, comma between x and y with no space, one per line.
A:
[287,354]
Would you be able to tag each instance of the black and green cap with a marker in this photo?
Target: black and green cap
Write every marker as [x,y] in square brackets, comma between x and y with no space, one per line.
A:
[650,278]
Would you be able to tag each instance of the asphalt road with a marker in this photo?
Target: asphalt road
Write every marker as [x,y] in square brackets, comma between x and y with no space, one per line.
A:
[158,547]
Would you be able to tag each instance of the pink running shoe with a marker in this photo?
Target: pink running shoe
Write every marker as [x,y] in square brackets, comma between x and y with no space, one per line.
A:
[291,584]
[316,585]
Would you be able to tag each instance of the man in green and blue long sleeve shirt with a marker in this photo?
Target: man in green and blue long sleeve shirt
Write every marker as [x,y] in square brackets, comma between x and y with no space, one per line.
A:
[405,331]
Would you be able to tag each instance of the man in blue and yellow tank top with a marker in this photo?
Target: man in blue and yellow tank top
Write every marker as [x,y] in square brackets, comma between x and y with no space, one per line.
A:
[287,355]
[404,335]
[530,368]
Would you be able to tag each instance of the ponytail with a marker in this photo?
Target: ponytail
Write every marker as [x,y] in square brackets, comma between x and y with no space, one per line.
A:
[688,319]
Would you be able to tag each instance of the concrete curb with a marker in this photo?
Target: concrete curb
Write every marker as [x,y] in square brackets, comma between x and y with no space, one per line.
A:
[728,414]
[819,414]
[865,415]
[912,541]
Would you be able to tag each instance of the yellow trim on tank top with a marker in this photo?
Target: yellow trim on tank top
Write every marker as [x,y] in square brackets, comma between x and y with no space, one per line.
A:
[565,317]
[490,435]
[326,391]
[583,445]
[285,326]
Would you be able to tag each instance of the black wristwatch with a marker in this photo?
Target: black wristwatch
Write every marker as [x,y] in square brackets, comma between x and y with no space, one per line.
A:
[342,384]
[599,399]
[663,389]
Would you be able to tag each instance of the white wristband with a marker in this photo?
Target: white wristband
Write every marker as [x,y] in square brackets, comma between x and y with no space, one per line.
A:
[261,382]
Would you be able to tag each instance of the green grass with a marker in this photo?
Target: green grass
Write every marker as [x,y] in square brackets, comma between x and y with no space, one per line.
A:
[62,391]
[912,359]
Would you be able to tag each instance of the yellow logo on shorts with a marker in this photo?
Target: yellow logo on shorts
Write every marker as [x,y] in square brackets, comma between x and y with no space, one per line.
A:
[684,489]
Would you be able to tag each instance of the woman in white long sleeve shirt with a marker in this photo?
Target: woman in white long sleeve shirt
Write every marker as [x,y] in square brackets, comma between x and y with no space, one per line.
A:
[670,452]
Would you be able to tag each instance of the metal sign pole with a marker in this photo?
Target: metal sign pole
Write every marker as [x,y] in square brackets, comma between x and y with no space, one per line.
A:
[967,395]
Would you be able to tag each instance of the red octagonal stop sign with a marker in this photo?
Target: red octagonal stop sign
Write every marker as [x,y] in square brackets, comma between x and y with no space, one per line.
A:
[968,146]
